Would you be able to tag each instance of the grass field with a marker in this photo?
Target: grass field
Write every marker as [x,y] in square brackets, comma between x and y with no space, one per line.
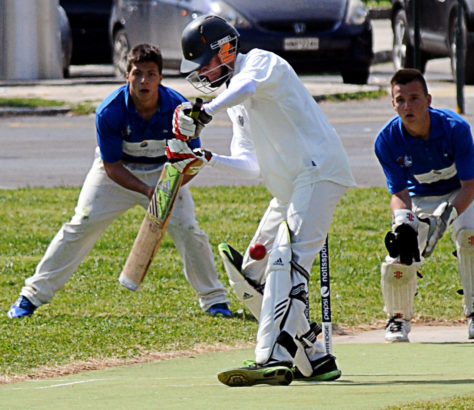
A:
[94,319]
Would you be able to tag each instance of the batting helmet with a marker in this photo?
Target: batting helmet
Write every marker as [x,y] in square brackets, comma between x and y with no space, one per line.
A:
[205,37]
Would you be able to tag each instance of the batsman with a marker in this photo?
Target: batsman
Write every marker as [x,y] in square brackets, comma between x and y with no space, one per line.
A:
[280,134]
[427,155]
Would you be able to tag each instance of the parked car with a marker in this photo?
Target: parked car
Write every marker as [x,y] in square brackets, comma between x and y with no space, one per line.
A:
[313,35]
[89,21]
[437,22]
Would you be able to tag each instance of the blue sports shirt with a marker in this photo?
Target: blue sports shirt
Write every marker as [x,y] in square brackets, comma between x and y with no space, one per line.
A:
[123,134]
[427,168]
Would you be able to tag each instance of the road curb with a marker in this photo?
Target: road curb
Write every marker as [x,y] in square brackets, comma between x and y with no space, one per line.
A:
[37,111]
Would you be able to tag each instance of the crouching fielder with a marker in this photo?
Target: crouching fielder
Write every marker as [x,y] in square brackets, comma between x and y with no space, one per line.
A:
[427,156]
[280,133]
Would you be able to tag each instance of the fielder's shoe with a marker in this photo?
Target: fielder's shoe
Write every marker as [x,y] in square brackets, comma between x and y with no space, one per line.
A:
[324,369]
[276,373]
[470,323]
[219,310]
[397,330]
[21,308]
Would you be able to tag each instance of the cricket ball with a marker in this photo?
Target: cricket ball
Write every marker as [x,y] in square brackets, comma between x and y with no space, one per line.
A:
[257,251]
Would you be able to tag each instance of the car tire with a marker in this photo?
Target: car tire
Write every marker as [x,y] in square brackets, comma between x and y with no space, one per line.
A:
[120,49]
[356,76]
[468,54]
[402,54]
[403,51]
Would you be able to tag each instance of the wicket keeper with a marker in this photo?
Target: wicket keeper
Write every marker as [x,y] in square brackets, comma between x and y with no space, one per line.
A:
[427,155]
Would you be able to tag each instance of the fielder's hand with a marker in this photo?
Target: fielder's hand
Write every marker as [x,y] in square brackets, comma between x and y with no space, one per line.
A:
[439,220]
[182,157]
[184,126]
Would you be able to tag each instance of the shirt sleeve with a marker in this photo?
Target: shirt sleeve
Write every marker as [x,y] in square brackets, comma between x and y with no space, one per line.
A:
[394,175]
[464,152]
[108,138]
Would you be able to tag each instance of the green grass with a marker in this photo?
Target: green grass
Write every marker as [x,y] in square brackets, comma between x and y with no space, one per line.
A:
[82,108]
[29,102]
[93,318]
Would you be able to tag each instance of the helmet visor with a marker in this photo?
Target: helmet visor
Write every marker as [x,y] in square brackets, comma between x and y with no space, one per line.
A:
[190,64]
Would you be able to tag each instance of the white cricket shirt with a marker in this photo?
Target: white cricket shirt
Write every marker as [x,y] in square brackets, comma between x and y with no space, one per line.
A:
[294,142]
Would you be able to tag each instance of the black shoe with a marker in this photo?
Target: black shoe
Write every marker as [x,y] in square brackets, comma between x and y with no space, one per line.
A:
[276,373]
[324,369]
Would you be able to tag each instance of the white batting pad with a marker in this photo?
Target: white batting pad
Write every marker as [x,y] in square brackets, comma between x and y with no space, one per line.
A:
[465,256]
[276,296]
[398,284]
[244,291]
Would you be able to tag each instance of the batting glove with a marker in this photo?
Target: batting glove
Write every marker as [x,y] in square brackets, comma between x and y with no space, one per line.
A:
[203,154]
[184,126]
[182,157]
[439,221]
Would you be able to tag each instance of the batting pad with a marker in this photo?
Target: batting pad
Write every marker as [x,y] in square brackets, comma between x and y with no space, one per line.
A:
[244,291]
[276,296]
[465,256]
[398,284]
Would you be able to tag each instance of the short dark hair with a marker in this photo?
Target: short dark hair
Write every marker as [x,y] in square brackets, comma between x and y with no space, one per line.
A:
[407,75]
[142,53]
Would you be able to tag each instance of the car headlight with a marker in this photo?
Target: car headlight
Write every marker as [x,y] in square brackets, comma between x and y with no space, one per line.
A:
[229,13]
[356,12]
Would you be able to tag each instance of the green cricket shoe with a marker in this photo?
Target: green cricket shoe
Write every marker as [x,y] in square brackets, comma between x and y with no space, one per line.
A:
[324,370]
[276,374]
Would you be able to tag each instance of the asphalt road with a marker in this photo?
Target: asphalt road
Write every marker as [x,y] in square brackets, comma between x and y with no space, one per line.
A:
[54,151]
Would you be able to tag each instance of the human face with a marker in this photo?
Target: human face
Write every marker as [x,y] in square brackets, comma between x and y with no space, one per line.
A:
[411,104]
[144,79]
[213,70]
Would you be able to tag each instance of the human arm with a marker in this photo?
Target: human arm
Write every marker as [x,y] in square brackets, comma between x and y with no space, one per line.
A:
[243,165]
[122,176]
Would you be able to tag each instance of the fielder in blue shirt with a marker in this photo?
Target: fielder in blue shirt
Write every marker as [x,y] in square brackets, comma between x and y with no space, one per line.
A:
[427,156]
[133,124]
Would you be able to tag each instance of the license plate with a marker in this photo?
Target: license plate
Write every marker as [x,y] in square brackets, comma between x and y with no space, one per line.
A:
[301,43]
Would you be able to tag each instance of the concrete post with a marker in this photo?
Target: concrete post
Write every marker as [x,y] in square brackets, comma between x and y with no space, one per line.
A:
[31,40]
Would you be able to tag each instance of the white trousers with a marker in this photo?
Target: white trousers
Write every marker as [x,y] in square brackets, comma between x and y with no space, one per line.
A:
[100,202]
[308,214]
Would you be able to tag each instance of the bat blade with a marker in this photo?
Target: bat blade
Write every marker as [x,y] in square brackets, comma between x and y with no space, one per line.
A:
[152,229]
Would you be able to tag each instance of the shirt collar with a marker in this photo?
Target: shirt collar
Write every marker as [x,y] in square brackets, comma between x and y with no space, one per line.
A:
[165,104]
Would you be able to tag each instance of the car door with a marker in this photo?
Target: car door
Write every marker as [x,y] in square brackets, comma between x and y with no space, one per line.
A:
[135,13]
[436,17]
[163,29]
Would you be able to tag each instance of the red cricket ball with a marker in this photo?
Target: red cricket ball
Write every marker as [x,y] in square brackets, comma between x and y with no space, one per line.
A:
[257,251]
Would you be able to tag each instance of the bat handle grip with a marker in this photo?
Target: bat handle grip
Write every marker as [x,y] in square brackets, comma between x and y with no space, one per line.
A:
[201,118]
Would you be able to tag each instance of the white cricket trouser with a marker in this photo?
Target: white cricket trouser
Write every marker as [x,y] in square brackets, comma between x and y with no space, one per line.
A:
[308,214]
[100,202]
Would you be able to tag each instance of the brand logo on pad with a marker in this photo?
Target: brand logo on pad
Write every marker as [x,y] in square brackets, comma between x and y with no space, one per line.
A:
[398,274]
[278,262]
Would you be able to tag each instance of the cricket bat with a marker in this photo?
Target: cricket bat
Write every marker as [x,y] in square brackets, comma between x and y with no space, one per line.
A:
[155,222]
[152,229]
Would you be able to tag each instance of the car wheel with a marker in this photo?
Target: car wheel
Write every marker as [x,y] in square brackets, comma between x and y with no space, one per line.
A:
[356,76]
[119,53]
[403,51]
[468,54]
